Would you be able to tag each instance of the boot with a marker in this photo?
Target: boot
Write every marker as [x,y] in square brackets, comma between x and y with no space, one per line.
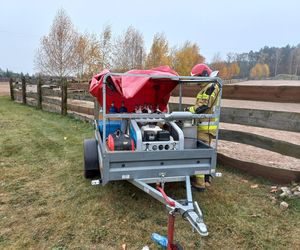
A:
[198,182]
[207,180]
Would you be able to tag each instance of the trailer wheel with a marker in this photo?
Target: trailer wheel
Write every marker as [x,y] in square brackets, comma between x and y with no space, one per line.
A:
[91,162]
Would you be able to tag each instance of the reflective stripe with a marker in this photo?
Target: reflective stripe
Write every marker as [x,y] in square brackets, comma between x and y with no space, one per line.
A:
[206,127]
[205,96]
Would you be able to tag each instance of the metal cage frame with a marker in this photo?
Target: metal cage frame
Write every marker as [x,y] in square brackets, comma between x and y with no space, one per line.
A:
[144,168]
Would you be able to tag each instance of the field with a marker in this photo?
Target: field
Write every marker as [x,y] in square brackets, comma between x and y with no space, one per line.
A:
[45,203]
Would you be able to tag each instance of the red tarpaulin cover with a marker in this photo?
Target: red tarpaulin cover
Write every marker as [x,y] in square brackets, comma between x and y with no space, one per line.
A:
[136,90]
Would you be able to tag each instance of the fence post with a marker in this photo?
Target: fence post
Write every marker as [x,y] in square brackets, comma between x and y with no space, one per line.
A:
[11,87]
[64,96]
[96,109]
[23,79]
[39,92]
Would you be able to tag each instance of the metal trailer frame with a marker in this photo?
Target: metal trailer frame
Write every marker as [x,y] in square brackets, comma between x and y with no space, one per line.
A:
[158,167]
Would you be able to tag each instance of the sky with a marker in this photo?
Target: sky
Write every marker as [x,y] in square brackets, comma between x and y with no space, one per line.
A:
[215,25]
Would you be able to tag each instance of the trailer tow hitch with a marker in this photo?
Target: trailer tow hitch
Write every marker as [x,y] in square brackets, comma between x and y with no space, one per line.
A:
[195,217]
[187,208]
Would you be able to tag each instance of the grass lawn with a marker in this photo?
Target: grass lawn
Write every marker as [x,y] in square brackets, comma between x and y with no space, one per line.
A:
[45,203]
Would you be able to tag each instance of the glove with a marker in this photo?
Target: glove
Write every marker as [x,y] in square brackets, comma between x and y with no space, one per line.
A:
[201,109]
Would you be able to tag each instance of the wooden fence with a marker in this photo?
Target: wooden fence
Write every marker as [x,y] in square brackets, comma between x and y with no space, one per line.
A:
[64,97]
[282,94]
[54,95]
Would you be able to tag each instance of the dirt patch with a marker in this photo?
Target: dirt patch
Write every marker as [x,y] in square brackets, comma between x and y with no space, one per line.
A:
[264,157]
[4,89]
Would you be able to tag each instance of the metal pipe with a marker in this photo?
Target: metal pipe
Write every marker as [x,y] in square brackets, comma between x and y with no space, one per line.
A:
[180,97]
[104,113]
[188,190]
[219,111]
[179,79]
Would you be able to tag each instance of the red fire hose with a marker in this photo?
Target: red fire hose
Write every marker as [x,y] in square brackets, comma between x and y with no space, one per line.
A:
[171,203]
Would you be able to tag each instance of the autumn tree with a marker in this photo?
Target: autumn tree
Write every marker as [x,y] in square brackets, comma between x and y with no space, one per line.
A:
[159,52]
[254,71]
[233,70]
[106,47]
[186,57]
[129,52]
[227,70]
[220,65]
[88,58]
[265,70]
[56,55]
[259,71]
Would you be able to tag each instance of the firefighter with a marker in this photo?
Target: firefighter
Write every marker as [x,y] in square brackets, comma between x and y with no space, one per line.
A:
[206,101]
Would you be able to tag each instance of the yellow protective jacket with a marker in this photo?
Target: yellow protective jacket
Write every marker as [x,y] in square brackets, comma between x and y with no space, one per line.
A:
[203,98]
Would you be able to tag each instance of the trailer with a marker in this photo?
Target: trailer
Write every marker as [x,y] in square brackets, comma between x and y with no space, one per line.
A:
[151,163]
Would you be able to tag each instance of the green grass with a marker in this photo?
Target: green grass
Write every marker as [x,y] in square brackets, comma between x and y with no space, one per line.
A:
[45,203]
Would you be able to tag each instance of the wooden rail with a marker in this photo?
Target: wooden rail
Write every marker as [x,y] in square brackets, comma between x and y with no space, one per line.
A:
[290,94]
[288,121]
[282,147]
[20,92]
[277,175]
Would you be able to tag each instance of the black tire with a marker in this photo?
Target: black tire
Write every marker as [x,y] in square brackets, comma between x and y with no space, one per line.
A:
[91,161]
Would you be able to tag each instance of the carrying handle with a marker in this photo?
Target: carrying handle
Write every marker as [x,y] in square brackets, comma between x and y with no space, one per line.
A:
[118,133]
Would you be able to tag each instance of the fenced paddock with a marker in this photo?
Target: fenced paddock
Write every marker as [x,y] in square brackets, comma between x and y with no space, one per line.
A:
[262,118]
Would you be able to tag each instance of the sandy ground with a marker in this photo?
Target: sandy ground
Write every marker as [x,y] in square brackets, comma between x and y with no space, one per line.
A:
[264,157]
[291,137]
[4,89]
[269,83]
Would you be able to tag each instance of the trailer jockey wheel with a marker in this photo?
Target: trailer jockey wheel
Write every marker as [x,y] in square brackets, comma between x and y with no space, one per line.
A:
[91,161]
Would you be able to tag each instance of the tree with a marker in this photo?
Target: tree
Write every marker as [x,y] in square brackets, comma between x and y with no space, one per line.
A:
[87,55]
[277,60]
[254,72]
[220,65]
[227,70]
[297,60]
[234,70]
[106,47]
[129,51]
[56,55]
[265,70]
[230,57]
[159,52]
[186,57]
[8,73]
[259,71]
